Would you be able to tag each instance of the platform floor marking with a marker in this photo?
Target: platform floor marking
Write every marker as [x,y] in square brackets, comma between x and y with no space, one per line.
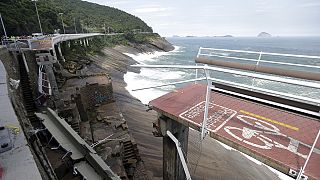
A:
[270,120]
[216,119]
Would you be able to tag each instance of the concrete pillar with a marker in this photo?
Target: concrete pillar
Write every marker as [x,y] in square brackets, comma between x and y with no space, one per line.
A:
[172,166]
[87,41]
[54,53]
[60,52]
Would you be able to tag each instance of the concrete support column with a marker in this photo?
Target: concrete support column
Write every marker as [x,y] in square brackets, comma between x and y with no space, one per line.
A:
[172,166]
[54,53]
[87,41]
[60,52]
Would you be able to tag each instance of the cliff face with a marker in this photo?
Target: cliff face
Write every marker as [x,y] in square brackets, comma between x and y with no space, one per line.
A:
[152,45]
[161,44]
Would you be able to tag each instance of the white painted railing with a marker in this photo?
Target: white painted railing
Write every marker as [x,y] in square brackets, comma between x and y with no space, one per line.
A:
[210,86]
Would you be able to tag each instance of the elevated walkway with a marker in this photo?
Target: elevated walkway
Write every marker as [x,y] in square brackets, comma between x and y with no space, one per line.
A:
[276,137]
[279,128]
[18,162]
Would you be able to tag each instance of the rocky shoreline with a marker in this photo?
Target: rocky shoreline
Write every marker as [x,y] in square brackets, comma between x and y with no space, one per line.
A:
[139,121]
[215,162]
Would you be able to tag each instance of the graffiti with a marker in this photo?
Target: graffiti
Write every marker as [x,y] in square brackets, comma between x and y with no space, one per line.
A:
[258,135]
[99,98]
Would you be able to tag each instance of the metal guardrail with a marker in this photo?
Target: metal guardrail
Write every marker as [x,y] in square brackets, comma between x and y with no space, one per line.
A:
[239,60]
[48,41]
[237,69]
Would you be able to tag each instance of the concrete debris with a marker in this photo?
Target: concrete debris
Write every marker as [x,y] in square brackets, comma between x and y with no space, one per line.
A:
[14,83]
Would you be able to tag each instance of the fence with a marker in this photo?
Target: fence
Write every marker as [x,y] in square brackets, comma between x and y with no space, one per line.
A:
[263,67]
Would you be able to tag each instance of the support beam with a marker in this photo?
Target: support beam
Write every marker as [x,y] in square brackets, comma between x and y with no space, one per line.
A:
[55,91]
[172,166]
[25,62]
[60,52]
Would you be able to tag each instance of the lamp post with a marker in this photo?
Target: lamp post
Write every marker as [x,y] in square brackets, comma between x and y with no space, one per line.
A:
[64,30]
[75,27]
[4,29]
[35,4]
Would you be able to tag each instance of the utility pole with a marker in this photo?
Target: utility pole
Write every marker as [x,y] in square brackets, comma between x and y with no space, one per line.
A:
[4,29]
[105,31]
[35,4]
[75,27]
[64,30]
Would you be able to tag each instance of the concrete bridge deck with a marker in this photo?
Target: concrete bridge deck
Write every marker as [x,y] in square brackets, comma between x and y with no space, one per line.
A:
[276,137]
[17,163]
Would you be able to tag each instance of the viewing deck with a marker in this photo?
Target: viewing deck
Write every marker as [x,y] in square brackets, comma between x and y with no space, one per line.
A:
[279,138]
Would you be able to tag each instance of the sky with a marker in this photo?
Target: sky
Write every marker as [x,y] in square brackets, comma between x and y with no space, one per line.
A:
[222,17]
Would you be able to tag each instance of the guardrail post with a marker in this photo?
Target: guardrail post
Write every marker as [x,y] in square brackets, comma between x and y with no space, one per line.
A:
[197,64]
[206,108]
[309,155]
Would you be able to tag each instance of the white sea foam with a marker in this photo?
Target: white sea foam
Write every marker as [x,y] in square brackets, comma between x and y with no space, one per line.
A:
[151,77]
[146,57]
[177,49]
[135,81]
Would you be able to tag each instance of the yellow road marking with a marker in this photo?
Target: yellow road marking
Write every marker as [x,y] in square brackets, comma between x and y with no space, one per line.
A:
[269,120]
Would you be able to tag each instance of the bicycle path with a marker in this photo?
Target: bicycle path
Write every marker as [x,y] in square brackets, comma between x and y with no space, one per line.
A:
[276,137]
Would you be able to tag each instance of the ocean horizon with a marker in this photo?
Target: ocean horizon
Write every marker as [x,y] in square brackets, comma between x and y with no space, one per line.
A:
[185,52]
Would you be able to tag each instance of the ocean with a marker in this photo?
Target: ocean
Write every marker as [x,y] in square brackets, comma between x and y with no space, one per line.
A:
[186,50]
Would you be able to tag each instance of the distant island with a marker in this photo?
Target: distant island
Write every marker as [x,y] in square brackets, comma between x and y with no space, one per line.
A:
[264,34]
[191,36]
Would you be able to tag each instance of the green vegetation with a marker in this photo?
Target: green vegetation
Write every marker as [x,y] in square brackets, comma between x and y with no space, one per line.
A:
[79,51]
[20,17]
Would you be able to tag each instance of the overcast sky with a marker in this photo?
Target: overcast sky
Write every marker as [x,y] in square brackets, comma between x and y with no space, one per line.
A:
[221,17]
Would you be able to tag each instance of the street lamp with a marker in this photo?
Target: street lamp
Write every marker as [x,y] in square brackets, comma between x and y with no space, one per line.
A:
[35,4]
[64,30]
[4,29]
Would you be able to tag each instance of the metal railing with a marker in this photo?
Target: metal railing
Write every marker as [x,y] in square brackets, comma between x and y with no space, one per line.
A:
[270,77]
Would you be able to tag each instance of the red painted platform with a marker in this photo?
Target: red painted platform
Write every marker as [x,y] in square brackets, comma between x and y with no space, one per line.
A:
[276,137]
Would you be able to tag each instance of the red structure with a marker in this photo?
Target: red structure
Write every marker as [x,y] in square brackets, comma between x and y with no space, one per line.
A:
[276,137]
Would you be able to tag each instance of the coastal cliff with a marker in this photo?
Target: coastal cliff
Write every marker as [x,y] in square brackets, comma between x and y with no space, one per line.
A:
[113,61]
[151,45]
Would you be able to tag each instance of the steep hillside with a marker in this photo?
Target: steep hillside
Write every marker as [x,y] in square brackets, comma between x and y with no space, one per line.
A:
[20,17]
